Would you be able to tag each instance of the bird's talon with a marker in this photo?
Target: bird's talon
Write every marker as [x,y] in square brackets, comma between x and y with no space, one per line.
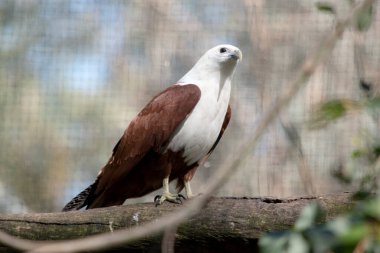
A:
[157,200]
[177,199]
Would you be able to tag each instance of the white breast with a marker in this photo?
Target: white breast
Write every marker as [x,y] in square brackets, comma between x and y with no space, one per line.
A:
[201,128]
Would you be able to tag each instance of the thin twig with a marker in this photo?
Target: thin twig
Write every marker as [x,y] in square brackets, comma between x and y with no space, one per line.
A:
[17,243]
[168,240]
[104,241]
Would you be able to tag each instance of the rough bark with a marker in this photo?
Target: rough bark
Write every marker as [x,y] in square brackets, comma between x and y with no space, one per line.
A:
[226,224]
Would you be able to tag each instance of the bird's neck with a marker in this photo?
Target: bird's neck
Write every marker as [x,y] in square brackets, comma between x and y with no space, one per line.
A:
[209,79]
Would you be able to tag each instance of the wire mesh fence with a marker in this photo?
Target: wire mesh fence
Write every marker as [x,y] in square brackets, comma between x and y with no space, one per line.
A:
[73,74]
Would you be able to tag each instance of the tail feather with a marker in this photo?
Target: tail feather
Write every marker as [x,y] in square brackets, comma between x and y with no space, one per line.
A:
[81,199]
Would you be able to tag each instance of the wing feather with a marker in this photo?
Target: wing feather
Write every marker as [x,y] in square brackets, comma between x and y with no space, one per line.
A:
[150,130]
[226,121]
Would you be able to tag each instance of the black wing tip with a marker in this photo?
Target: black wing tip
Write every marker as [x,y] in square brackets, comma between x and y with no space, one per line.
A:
[76,203]
[81,200]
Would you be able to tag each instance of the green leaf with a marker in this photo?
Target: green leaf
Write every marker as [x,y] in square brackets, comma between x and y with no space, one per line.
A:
[330,111]
[340,225]
[320,238]
[340,173]
[310,215]
[290,242]
[373,103]
[325,7]
[361,195]
[353,235]
[274,242]
[297,244]
[357,153]
[364,19]
[372,209]
[333,110]
[344,234]
[376,151]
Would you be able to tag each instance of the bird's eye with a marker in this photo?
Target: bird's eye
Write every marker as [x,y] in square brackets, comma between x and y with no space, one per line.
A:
[223,50]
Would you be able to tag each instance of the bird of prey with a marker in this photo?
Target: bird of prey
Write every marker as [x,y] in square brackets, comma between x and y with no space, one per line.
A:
[168,140]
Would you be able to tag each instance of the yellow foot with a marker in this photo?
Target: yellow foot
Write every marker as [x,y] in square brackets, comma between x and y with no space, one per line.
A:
[167,196]
[190,196]
[189,193]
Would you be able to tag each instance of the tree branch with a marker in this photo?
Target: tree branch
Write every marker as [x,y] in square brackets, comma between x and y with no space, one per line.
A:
[225,221]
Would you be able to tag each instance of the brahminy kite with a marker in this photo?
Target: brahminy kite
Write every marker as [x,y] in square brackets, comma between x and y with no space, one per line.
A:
[169,139]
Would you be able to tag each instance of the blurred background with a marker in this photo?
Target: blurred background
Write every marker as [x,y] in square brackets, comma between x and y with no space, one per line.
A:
[74,73]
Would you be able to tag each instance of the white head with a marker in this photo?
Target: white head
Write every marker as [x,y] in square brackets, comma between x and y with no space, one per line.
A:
[220,61]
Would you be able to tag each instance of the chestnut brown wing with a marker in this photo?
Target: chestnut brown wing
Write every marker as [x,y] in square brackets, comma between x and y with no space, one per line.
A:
[150,130]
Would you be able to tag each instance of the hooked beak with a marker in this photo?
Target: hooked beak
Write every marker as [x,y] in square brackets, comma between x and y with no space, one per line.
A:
[236,55]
